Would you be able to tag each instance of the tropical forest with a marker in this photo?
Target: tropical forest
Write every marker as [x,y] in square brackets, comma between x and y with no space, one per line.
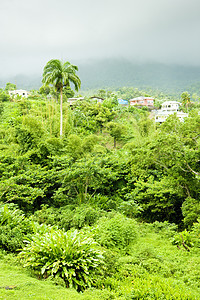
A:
[97,200]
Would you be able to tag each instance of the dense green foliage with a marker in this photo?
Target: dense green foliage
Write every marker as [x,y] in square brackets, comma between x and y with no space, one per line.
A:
[155,169]
[84,209]
[14,228]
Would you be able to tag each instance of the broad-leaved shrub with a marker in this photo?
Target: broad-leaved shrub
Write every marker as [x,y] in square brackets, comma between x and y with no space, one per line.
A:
[68,255]
[14,228]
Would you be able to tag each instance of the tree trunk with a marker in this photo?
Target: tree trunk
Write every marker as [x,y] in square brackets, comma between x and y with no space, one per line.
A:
[114,142]
[61,113]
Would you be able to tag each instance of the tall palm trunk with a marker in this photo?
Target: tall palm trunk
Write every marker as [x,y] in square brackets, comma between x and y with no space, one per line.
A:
[61,112]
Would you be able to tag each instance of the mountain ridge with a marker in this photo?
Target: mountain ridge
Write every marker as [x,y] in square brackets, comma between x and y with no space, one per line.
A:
[112,73]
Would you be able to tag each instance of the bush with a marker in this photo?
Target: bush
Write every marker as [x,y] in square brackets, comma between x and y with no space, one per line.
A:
[116,231]
[190,210]
[4,97]
[10,214]
[156,287]
[183,239]
[195,233]
[14,228]
[104,202]
[165,228]
[68,255]
[130,208]
[188,238]
[85,215]
[67,217]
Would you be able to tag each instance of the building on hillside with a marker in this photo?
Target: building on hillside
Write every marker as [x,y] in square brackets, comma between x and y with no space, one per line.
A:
[169,108]
[123,102]
[142,101]
[97,99]
[22,93]
[73,101]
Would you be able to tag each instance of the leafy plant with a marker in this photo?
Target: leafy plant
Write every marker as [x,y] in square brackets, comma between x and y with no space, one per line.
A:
[195,233]
[165,228]
[116,231]
[190,210]
[183,239]
[14,227]
[10,214]
[130,208]
[68,255]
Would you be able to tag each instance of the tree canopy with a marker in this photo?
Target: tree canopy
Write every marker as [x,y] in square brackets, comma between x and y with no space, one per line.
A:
[60,75]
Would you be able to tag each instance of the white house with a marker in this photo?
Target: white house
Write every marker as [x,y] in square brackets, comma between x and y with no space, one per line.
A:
[21,93]
[169,108]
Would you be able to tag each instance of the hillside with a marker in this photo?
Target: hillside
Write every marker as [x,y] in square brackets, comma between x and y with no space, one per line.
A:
[119,72]
[109,209]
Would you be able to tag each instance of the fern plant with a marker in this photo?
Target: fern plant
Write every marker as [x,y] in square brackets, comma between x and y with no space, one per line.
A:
[10,214]
[68,255]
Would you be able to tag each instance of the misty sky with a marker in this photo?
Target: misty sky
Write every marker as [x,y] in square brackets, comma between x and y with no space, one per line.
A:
[35,31]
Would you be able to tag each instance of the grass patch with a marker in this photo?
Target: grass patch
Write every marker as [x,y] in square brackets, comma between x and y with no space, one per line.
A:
[26,287]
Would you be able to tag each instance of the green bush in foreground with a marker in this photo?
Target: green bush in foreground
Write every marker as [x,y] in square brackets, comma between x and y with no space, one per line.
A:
[14,228]
[116,231]
[68,255]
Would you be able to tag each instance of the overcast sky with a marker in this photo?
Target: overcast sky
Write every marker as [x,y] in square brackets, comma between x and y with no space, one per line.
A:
[35,31]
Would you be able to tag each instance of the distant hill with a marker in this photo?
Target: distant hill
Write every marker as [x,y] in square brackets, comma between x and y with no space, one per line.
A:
[114,73]
[23,81]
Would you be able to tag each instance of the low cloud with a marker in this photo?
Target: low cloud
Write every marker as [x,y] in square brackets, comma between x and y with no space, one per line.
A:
[32,32]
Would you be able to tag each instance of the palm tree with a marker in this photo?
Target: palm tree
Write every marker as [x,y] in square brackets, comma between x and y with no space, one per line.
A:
[185,96]
[60,74]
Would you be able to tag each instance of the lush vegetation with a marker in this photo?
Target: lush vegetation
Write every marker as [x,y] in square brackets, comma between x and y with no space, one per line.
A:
[110,208]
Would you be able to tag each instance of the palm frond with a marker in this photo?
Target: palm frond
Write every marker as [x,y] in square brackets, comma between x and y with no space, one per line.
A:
[60,74]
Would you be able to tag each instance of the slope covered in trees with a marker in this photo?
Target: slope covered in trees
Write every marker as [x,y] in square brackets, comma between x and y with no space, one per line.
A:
[112,182]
